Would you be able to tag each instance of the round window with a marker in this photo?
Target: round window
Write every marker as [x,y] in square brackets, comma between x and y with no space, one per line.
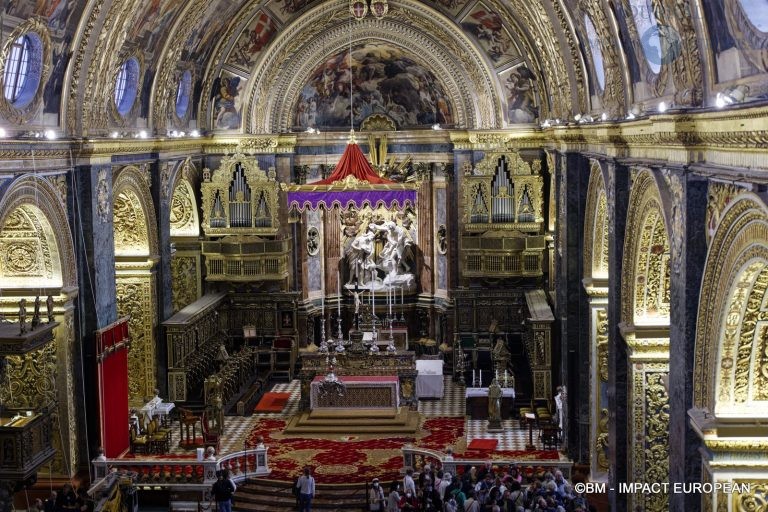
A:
[126,86]
[183,94]
[23,70]
[597,54]
[757,13]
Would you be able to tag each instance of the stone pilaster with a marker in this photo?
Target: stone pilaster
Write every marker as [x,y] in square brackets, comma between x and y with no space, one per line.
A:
[617,190]
[162,195]
[688,201]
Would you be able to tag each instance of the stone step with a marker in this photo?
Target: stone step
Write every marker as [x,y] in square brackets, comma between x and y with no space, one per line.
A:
[272,496]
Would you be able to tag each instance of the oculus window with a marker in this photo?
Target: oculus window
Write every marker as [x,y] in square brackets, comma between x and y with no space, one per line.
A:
[597,54]
[126,86]
[23,70]
[183,94]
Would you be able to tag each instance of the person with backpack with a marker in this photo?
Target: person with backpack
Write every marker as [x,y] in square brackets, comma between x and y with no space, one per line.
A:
[222,491]
[306,487]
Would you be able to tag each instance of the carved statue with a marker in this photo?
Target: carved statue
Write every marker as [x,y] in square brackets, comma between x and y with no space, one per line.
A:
[23,316]
[49,307]
[360,257]
[494,402]
[561,404]
[501,355]
[36,314]
[394,251]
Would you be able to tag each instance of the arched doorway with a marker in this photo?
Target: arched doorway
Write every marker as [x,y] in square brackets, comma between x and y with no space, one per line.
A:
[731,358]
[37,260]
[135,258]
[596,285]
[645,301]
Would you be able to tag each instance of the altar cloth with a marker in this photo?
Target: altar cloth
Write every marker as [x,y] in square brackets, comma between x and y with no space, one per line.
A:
[361,392]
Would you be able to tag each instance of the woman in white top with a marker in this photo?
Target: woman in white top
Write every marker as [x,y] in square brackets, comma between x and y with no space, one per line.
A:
[394,498]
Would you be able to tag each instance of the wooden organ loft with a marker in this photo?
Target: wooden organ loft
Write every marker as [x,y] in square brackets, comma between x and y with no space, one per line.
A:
[241,208]
[503,223]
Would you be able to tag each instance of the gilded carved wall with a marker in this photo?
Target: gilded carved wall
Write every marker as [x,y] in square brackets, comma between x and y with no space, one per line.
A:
[185,278]
[136,297]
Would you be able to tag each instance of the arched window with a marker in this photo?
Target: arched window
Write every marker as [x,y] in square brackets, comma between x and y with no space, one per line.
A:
[597,54]
[648,30]
[126,86]
[23,70]
[183,94]
[757,13]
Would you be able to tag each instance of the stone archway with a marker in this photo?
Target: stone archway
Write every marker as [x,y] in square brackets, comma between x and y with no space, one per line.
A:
[186,262]
[645,327]
[731,356]
[37,258]
[596,285]
[136,254]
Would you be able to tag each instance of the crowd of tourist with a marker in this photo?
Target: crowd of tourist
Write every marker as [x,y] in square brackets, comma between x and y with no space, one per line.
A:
[484,489]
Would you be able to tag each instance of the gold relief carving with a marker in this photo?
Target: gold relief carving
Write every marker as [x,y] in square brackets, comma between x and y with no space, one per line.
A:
[602,343]
[182,211]
[686,69]
[135,299]
[184,281]
[657,81]
[613,94]
[76,64]
[59,185]
[102,196]
[253,145]
[21,258]
[165,179]
[650,434]
[738,251]
[748,337]
[31,379]
[407,388]
[130,224]
[602,446]
[69,375]
[756,500]
[596,225]
[719,195]
[749,38]
[23,114]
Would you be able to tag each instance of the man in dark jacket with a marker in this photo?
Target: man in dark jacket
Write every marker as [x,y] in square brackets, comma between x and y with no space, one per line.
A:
[222,491]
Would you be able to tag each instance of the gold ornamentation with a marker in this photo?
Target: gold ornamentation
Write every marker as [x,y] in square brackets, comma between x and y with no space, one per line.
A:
[59,184]
[253,145]
[675,187]
[31,379]
[130,225]
[183,211]
[184,276]
[135,298]
[603,445]
[378,123]
[596,226]
[602,344]
[39,27]
[719,195]
[728,309]
[612,95]
[756,500]
[645,265]
[252,209]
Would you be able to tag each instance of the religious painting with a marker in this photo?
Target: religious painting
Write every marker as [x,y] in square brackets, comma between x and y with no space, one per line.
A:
[384,81]
[486,26]
[152,24]
[252,41]
[58,12]
[227,101]
[287,8]
[520,93]
[452,6]
[204,37]
[286,319]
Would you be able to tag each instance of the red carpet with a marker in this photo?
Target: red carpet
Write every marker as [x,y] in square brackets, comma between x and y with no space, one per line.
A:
[357,461]
[272,402]
[483,444]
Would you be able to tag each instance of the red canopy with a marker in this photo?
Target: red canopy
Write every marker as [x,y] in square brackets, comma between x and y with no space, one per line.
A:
[353,163]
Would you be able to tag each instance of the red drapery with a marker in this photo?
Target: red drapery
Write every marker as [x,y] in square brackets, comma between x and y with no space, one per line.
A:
[112,369]
[354,163]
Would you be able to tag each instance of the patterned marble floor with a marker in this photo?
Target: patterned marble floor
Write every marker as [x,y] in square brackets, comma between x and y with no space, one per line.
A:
[452,405]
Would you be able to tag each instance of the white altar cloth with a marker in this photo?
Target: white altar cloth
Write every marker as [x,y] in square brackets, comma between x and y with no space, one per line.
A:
[429,381]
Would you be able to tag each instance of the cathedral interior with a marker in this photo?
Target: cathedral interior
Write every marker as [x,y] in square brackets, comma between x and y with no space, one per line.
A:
[284,224]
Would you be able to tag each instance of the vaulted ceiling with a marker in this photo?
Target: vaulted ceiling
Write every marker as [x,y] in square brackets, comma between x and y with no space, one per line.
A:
[258,65]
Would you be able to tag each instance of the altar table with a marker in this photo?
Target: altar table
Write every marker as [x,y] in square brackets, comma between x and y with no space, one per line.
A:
[429,381]
[477,403]
[362,392]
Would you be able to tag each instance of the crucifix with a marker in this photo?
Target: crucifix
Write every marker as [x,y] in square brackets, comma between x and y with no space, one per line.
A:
[356,295]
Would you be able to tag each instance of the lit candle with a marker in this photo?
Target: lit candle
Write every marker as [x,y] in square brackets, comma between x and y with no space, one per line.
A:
[481,378]
[505,378]
[497,374]
[338,289]
[390,300]
[402,299]
[473,377]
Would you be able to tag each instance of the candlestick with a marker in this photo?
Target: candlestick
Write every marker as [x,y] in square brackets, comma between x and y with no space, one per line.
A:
[481,378]
[473,377]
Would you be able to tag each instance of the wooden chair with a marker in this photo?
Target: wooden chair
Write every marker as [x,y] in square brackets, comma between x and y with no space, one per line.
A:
[159,440]
[139,443]
[188,421]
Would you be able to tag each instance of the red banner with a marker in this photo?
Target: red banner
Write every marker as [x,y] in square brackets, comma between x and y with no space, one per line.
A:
[112,356]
